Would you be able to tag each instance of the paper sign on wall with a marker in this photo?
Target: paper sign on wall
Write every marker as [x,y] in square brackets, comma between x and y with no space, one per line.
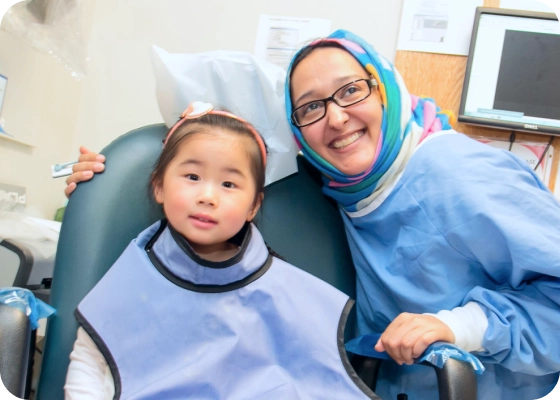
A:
[278,38]
[437,26]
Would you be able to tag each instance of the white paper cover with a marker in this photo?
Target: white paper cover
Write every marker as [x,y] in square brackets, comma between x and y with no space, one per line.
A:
[233,81]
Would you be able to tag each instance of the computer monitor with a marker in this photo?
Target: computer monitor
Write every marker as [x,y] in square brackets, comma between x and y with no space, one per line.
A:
[512,79]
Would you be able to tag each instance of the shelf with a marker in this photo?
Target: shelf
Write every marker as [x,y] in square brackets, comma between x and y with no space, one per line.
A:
[12,139]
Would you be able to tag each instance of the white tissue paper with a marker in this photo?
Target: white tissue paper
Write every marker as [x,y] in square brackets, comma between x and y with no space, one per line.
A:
[233,81]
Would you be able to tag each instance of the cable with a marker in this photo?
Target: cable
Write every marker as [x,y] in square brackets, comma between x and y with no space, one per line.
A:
[511,140]
[544,152]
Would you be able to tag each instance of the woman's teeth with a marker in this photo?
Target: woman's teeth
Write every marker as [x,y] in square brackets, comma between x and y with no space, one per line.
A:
[340,144]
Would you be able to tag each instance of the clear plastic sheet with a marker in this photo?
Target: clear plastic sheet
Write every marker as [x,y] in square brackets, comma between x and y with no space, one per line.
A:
[436,354]
[55,27]
[24,300]
[41,235]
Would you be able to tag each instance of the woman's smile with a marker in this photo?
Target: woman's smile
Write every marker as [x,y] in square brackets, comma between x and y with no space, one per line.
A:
[345,142]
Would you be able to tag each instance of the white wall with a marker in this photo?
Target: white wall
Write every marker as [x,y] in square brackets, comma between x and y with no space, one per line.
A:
[40,108]
[118,93]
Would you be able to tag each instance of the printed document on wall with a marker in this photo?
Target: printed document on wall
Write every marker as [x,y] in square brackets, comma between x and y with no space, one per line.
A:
[437,26]
[278,38]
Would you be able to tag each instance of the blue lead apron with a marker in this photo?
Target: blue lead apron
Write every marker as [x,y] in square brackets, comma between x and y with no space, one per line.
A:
[172,325]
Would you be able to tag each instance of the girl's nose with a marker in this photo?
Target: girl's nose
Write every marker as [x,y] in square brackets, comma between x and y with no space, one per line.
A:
[336,115]
[207,195]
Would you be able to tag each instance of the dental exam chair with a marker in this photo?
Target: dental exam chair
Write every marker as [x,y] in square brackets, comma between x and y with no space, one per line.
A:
[106,213]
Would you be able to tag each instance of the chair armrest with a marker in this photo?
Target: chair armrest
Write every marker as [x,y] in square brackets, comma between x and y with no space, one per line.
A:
[367,369]
[456,380]
[17,346]
[25,261]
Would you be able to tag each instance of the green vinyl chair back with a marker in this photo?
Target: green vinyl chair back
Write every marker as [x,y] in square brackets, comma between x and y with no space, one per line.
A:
[106,213]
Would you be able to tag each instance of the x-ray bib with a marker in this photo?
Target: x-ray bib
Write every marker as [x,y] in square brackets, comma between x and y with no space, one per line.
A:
[172,325]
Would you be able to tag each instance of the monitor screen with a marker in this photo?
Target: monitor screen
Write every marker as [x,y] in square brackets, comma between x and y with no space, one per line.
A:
[512,79]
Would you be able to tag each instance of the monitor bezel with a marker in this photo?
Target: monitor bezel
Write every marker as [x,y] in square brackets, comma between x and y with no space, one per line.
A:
[491,123]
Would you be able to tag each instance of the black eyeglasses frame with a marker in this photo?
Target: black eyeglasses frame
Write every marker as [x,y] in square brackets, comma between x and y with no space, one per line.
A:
[371,82]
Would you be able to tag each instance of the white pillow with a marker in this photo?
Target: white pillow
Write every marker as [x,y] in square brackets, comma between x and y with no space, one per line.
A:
[236,82]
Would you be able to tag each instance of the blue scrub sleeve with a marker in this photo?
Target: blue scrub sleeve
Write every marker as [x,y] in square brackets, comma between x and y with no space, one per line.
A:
[510,225]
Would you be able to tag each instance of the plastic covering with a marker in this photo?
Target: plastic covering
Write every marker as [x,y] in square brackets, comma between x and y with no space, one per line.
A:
[24,300]
[436,354]
[41,235]
[55,27]
[439,352]
[236,82]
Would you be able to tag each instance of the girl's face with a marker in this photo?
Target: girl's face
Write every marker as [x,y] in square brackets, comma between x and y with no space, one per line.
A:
[346,137]
[208,191]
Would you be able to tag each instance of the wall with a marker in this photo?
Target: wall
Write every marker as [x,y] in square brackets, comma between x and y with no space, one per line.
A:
[118,93]
[40,108]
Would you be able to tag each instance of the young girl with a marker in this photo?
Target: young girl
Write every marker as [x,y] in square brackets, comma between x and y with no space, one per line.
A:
[196,307]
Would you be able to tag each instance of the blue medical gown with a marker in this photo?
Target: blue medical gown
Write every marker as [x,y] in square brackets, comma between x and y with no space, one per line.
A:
[465,222]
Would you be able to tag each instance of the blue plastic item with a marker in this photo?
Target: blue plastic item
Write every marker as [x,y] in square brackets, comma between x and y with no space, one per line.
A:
[24,300]
[436,354]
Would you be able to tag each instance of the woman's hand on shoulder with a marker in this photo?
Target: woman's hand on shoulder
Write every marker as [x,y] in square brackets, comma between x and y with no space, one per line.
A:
[88,164]
[409,335]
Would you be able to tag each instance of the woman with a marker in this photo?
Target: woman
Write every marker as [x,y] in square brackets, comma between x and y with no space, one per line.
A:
[451,239]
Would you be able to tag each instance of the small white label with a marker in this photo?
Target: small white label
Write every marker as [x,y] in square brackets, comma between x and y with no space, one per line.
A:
[59,172]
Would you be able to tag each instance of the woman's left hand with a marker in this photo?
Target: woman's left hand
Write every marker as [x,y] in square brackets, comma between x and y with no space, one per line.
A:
[409,335]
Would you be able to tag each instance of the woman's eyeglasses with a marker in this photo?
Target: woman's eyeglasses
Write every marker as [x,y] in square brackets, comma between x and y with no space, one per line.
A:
[347,95]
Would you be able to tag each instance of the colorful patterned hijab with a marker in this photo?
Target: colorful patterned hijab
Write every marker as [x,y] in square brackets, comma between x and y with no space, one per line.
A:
[407,120]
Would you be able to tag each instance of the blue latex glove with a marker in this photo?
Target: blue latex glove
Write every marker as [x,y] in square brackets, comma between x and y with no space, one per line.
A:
[24,300]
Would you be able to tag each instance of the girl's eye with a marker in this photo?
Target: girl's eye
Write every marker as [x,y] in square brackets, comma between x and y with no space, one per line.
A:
[192,177]
[229,185]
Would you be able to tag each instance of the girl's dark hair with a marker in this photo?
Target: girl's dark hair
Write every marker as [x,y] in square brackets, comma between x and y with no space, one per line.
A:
[205,124]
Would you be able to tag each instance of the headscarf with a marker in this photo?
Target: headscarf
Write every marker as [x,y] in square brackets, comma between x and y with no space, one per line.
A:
[407,120]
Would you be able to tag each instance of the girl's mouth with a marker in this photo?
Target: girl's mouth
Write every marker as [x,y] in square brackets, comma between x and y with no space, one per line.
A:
[340,144]
[203,221]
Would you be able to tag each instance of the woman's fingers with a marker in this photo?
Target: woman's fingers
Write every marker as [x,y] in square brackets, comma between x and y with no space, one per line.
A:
[426,340]
[79,176]
[70,188]
[416,341]
[88,164]
[88,155]
[409,335]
